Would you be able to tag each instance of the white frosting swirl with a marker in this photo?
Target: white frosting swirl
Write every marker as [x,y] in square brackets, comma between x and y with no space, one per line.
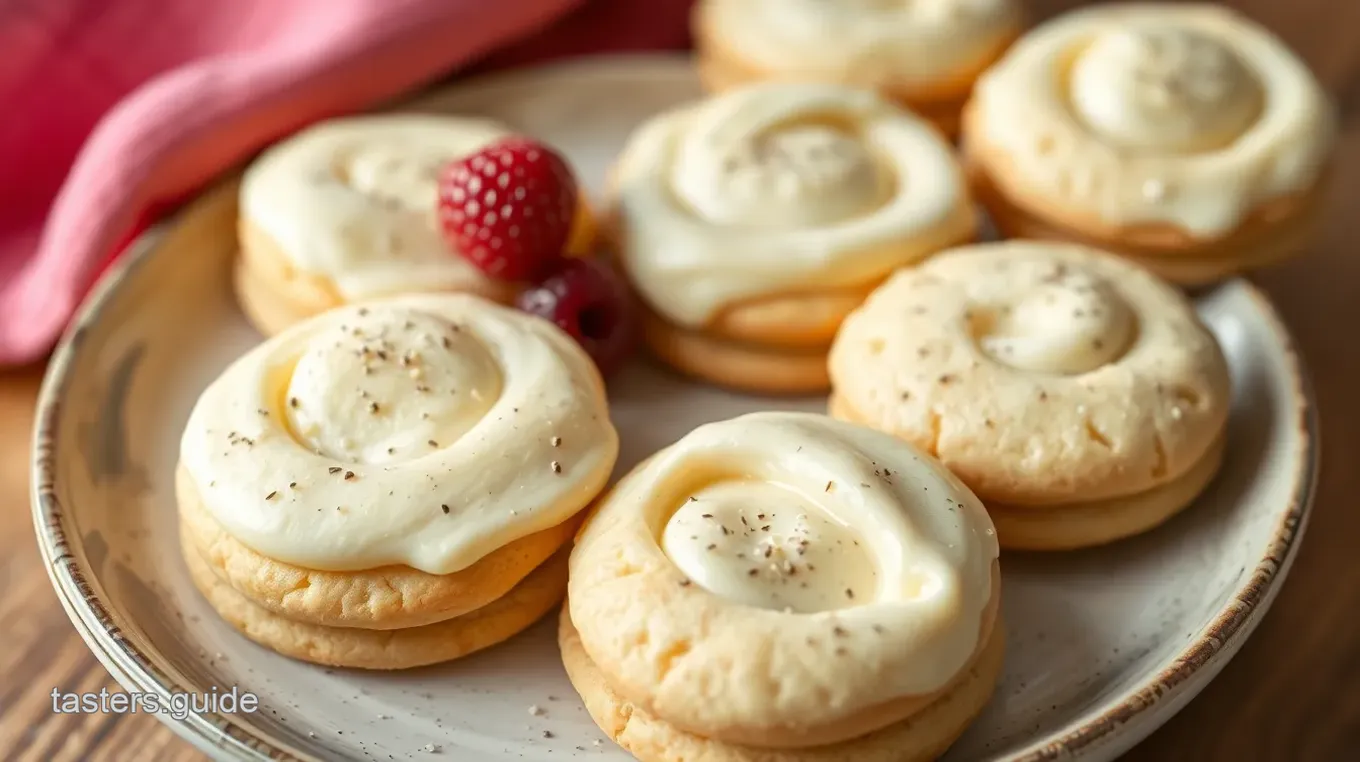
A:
[1164,89]
[1064,321]
[383,391]
[354,200]
[777,188]
[1188,115]
[425,431]
[767,545]
[867,42]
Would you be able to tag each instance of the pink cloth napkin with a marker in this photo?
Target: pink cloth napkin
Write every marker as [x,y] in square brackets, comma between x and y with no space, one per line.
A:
[112,109]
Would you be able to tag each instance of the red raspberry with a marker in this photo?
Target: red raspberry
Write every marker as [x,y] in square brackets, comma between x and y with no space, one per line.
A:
[588,300]
[508,208]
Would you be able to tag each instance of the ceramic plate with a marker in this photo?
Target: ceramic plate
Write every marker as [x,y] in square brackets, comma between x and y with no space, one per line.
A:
[1103,645]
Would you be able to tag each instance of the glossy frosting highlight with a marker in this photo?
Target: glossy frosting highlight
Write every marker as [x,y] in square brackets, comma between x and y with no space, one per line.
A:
[771,546]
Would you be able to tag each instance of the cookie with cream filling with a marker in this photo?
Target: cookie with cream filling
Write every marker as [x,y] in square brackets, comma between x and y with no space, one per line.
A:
[393,466]
[1077,394]
[1185,137]
[784,586]
[753,222]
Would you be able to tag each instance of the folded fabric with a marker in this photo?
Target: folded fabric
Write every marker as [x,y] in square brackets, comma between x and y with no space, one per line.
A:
[144,101]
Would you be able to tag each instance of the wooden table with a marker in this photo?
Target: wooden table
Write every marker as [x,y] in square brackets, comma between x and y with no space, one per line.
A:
[1291,693]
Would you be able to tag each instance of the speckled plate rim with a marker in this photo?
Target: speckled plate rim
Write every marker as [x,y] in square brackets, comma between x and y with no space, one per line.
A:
[1149,704]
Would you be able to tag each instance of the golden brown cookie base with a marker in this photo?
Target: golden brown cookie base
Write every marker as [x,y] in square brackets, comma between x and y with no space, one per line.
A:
[721,67]
[387,598]
[924,736]
[274,294]
[1083,525]
[1087,525]
[1275,232]
[740,366]
[508,615]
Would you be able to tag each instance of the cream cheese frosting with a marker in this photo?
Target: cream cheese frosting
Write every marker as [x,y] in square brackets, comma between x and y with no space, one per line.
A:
[868,42]
[1188,115]
[1060,321]
[425,431]
[768,545]
[784,529]
[778,188]
[354,200]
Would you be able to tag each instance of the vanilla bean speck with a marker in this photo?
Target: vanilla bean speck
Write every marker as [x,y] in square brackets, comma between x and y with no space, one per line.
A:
[335,469]
[272,495]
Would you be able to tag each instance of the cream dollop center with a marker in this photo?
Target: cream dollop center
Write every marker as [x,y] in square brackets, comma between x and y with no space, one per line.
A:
[763,544]
[808,173]
[390,385]
[1068,322]
[1164,89]
[403,176]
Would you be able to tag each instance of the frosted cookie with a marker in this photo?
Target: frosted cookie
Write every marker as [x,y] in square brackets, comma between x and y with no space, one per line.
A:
[1078,395]
[784,586]
[753,222]
[1185,137]
[351,479]
[925,55]
[346,211]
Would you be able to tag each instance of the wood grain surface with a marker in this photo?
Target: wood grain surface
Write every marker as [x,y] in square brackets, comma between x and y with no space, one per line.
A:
[1290,694]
